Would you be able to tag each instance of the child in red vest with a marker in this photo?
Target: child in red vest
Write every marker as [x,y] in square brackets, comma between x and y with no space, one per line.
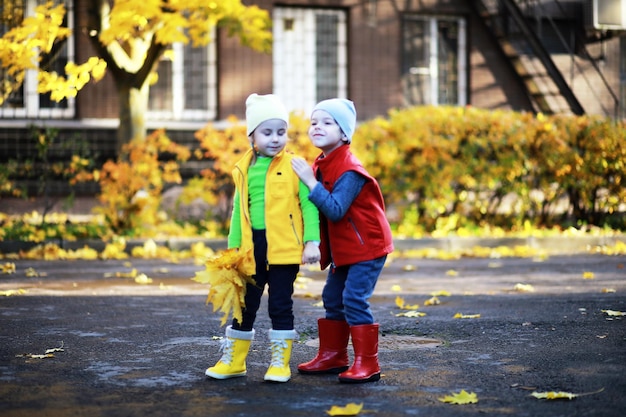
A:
[355,241]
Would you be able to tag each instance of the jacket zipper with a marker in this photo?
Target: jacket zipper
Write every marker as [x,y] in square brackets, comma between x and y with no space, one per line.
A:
[356,231]
[293,227]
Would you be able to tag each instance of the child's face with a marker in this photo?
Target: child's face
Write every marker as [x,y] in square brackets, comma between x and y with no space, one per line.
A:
[324,132]
[270,137]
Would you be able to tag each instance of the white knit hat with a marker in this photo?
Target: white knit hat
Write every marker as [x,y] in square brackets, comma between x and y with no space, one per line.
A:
[260,108]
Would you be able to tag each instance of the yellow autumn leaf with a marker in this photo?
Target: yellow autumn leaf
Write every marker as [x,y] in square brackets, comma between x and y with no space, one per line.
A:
[149,250]
[8,268]
[552,395]
[452,273]
[411,313]
[441,293]
[614,313]
[8,293]
[36,356]
[30,272]
[131,274]
[433,301]
[588,275]
[227,282]
[351,409]
[396,288]
[466,316]
[561,395]
[523,288]
[114,250]
[302,282]
[401,305]
[608,290]
[462,397]
[143,279]
[409,267]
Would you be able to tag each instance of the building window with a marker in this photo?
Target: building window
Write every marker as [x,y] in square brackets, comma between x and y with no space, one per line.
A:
[434,70]
[186,88]
[26,102]
[309,56]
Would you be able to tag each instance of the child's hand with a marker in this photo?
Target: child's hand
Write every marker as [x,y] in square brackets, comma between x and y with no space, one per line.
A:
[311,253]
[304,171]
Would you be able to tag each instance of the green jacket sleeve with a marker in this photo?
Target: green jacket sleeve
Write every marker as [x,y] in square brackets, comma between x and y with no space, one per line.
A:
[234,233]
[310,215]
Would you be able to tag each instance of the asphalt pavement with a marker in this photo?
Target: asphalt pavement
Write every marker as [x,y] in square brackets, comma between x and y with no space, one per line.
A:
[118,347]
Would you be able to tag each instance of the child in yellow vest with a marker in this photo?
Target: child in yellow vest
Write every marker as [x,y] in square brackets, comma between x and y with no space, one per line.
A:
[272,215]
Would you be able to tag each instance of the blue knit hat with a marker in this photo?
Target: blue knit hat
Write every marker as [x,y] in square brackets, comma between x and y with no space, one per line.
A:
[344,113]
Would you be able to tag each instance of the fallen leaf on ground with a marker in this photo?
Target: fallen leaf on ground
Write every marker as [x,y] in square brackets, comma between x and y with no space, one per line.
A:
[8,293]
[462,397]
[608,290]
[8,268]
[143,279]
[523,288]
[351,409]
[302,282]
[30,272]
[614,313]
[131,274]
[588,275]
[396,288]
[466,316]
[433,301]
[452,273]
[49,353]
[411,313]
[401,305]
[115,250]
[441,293]
[561,395]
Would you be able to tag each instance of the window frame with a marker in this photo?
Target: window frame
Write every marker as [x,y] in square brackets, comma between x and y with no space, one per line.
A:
[432,69]
[294,60]
[178,112]
[32,105]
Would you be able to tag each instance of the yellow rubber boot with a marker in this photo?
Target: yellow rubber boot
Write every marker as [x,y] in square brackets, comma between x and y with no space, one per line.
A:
[281,342]
[235,347]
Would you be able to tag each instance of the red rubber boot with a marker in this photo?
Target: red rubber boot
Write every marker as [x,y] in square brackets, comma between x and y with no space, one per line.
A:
[332,356]
[365,367]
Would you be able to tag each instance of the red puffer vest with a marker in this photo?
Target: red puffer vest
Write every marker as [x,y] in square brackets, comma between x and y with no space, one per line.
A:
[363,233]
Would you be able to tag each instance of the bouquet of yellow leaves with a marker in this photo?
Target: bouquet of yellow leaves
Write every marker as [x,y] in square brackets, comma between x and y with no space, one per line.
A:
[227,279]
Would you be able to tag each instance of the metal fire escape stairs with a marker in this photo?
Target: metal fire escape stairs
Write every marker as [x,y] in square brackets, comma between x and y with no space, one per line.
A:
[548,90]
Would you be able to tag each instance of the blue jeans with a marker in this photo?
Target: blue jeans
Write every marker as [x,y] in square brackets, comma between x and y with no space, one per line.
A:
[348,289]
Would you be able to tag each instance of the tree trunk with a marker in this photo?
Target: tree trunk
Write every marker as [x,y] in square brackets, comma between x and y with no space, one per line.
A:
[133,104]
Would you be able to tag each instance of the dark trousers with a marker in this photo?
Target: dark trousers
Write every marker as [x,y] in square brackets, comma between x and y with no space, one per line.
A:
[279,279]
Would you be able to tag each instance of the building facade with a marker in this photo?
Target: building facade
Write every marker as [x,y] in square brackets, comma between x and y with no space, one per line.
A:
[551,56]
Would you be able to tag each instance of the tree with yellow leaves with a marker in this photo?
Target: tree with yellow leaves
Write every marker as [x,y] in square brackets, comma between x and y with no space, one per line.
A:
[129,38]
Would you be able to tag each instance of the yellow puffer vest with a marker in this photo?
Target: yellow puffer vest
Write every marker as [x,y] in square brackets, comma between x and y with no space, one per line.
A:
[284,226]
